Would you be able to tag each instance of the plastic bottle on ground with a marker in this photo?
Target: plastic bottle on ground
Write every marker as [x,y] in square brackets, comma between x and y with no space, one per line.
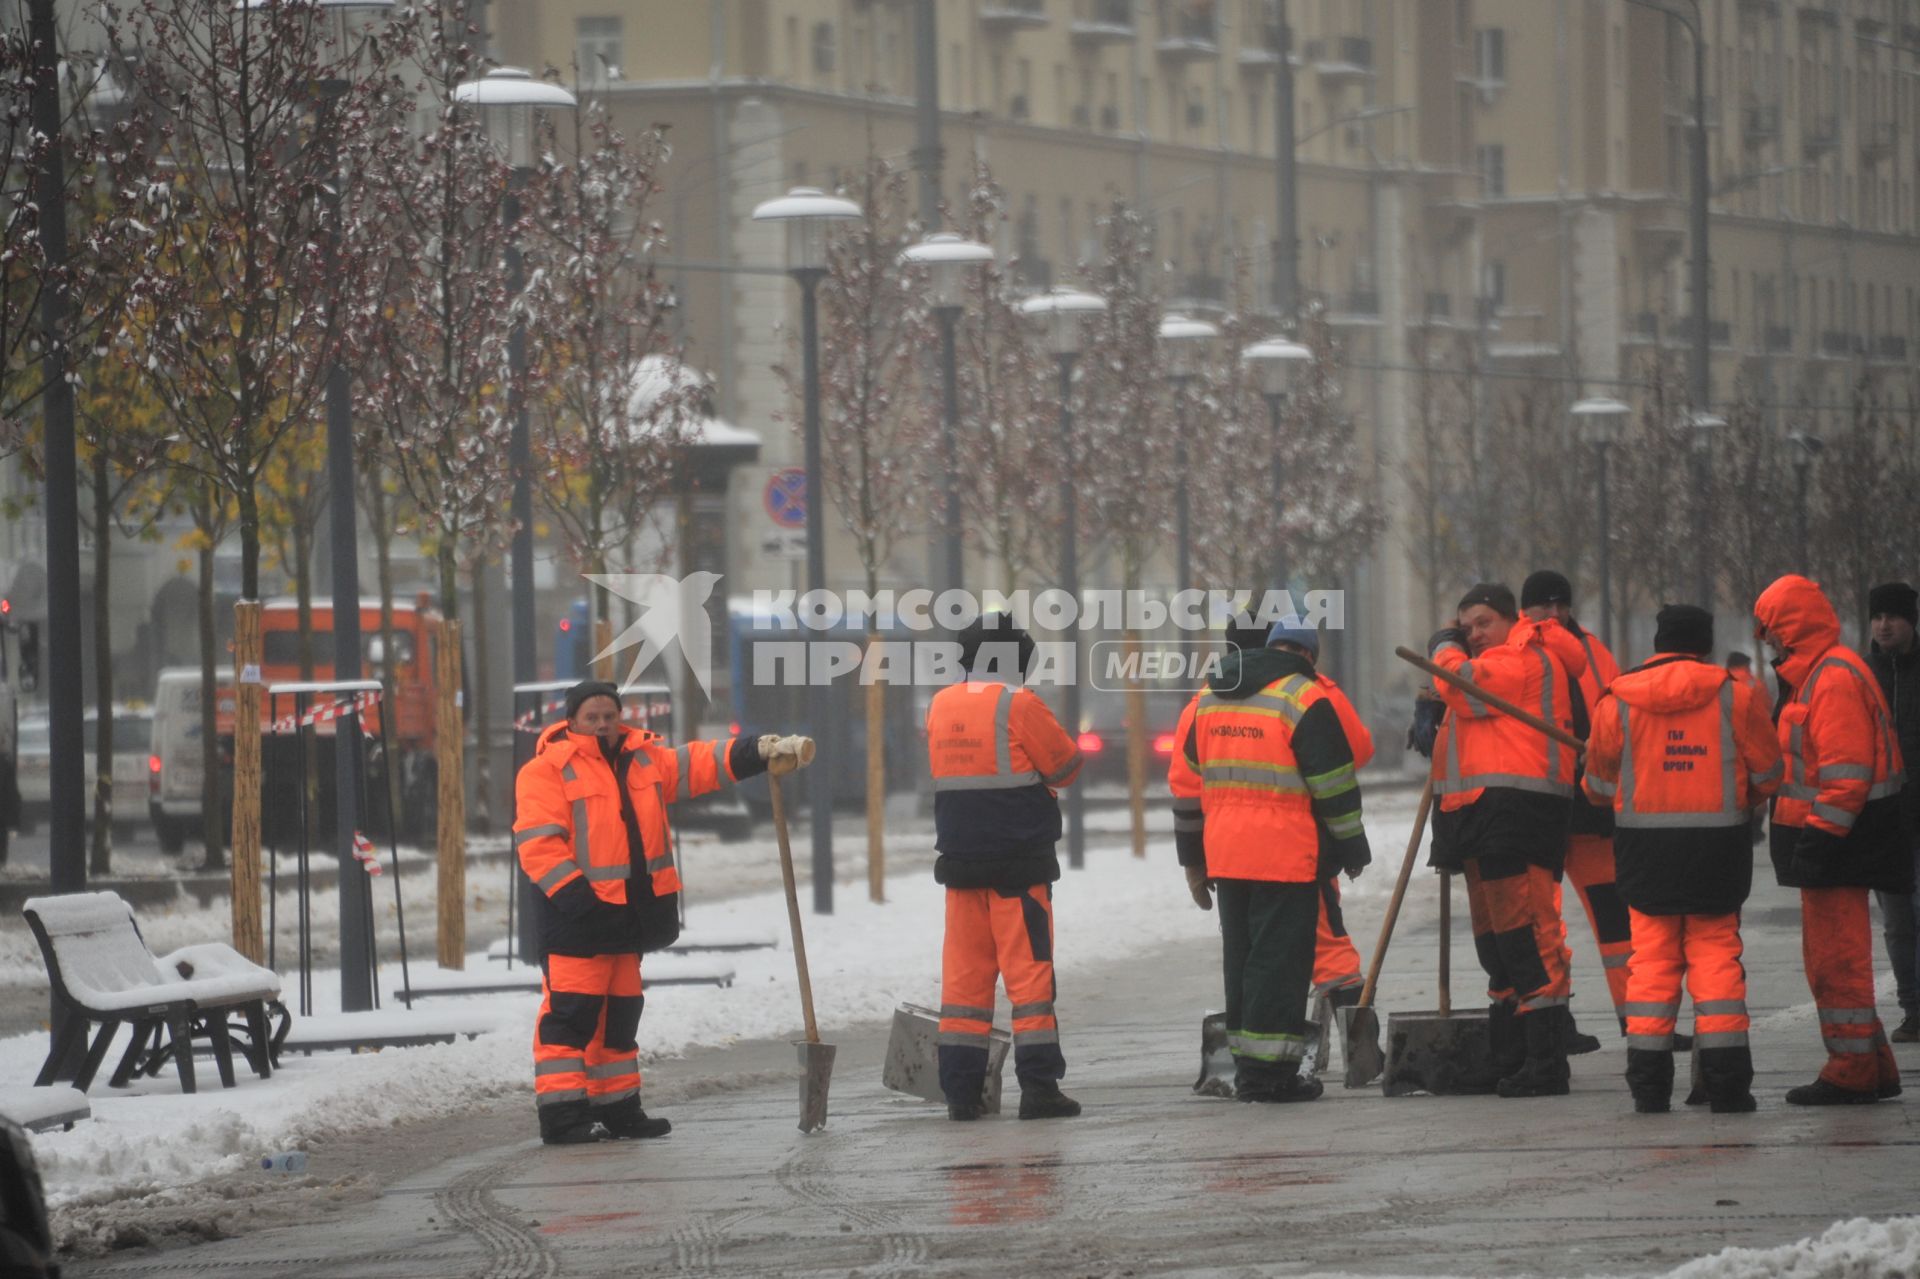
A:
[289,1161]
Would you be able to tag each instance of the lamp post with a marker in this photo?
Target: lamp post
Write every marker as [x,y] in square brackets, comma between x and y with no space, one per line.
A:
[1702,428]
[1599,421]
[808,214]
[1276,364]
[507,97]
[1062,314]
[1187,342]
[952,264]
[1807,448]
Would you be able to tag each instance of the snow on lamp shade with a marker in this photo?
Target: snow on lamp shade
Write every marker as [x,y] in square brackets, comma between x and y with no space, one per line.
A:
[1185,342]
[1062,314]
[1275,363]
[507,98]
[1599,419]
[951,263]
[807,213]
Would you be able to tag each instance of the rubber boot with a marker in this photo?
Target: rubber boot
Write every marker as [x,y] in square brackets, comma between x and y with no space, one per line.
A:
[1544,1073]
[1292,1088]
[971,1105]
[1650,1080]
[569,1123]
[1727,1078]
[1044,1101]
[1578,1045]
[1822,1093]
[1506,1050]
[625,1120]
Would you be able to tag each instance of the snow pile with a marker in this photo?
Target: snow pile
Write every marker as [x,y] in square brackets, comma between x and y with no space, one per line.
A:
[1856,1249]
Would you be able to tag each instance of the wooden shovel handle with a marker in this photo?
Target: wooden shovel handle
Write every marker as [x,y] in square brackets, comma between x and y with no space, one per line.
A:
[1399,892]
[1446,943]
[793,907]
[1494,700]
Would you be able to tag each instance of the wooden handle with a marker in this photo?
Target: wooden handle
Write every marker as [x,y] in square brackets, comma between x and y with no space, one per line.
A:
[1446,943]
[1399,892]
[793,907]
[1494,700]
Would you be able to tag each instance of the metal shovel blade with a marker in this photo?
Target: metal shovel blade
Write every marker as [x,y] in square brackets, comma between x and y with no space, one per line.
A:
[816,1072]
[1360,1035]
[1216,1059]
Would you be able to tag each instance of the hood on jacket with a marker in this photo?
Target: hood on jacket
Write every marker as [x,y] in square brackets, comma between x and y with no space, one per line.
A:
[1676,682]
[1246,672]
[1801,617]
[558,734]
[1553,637]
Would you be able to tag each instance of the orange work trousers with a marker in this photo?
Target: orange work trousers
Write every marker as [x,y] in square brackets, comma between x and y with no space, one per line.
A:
[1336,961]
[1836,943]
[1704,952]
[1590,870]
[1516,932]
[995,933]
[586,1045]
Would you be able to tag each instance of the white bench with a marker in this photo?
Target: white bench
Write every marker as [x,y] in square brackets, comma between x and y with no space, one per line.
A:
[43,1109]
[390,1028]
[103,975]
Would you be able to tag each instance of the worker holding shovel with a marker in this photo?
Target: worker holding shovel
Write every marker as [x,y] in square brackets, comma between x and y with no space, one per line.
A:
[1510,791]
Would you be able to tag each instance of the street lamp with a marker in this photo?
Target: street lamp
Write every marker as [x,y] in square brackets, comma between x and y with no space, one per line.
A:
[1276,365]
[1702,428]
[952,265]
[809,214]
[1187,342]
[507,97]
[1599,421]
[1062,314]
[1807,448]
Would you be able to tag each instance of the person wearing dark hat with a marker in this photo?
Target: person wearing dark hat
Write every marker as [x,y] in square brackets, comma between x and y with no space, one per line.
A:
[590,830]
[1836,830]
[998,757]
[1681,754]
[1280,814]
[1894,608]
[1589,866]
[1508,791]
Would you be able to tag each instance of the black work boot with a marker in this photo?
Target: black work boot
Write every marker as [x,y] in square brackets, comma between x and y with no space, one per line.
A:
[1044,1100]
[1289,1088]
[625,1119]
[1544,1072]
[1726,1075]
[569,1123]
[1650,1080]
[1578,1045]
[1822,1093]
[1505,1051]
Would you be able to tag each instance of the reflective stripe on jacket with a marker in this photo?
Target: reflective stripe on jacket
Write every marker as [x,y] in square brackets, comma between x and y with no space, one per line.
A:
[997,754]
[1534,668]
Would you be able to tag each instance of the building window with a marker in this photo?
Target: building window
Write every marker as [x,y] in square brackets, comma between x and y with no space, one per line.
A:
[597,49]
[1490,56]
[823,48]
[1493,284]
[1491,160]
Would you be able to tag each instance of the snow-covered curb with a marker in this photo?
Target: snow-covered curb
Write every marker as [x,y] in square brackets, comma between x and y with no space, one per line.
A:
[1855,1249]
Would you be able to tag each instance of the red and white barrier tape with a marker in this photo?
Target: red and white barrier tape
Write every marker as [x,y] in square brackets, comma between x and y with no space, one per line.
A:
[363,851]
[325,714]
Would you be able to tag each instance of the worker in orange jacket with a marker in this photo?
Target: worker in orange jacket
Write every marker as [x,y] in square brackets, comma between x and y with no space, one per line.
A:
[590,828]
[1589,863]
[997,755]
[1506,791]
[1681,753]
[1336,960]
[1837,829]
[1740,668]
[1279,813]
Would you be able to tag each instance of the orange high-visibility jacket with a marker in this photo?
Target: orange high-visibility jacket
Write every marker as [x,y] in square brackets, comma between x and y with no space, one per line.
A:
[1836,822]
[1589,818]
[1683,754]
[571,835]
[1535,668]
[997,753]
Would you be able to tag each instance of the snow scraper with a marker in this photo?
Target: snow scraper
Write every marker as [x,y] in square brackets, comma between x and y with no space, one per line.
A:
[1438,1052]
[816,1058]
[1359,1025]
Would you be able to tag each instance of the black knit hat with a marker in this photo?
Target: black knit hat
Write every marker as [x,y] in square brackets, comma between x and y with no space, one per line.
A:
[990,642]
[1244,632]
[1494,595]
[586,690]
[1895,598]
[1738,661]
[1683,628]
[1545,586]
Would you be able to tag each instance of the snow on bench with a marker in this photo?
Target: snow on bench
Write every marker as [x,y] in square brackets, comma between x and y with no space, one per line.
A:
[705,939]
[391,1028]
[663,969]
[103,974]
[43,1109]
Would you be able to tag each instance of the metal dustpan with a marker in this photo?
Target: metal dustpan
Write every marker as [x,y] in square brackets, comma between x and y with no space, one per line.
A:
[912,1065]
[816,1058]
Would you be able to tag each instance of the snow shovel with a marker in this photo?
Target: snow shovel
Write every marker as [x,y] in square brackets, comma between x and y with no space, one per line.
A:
[1359,1025]
[816,1058]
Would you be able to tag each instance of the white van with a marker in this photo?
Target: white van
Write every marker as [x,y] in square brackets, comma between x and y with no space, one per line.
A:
[174,768]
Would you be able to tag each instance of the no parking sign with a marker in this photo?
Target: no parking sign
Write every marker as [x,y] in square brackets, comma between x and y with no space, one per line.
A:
[786,497]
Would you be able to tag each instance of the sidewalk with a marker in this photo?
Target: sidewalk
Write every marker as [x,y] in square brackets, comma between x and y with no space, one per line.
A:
[1151,1179]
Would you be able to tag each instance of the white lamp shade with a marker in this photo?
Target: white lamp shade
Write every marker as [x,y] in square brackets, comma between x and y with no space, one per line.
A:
[507,98]
[1186,341]
[1276,364]
[1806,444]
[807,211]
[1062,314]
[1705,426]
[1599,419]
[951,263]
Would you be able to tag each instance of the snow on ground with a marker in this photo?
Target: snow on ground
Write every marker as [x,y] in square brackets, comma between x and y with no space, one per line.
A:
[1856,1249]
[865,959]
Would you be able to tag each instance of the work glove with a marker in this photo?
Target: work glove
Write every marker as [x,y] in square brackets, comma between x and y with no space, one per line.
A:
[1807,863]
[1446,635]
[1428,711]
[1355,856]
[1197,885]
[784,754]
